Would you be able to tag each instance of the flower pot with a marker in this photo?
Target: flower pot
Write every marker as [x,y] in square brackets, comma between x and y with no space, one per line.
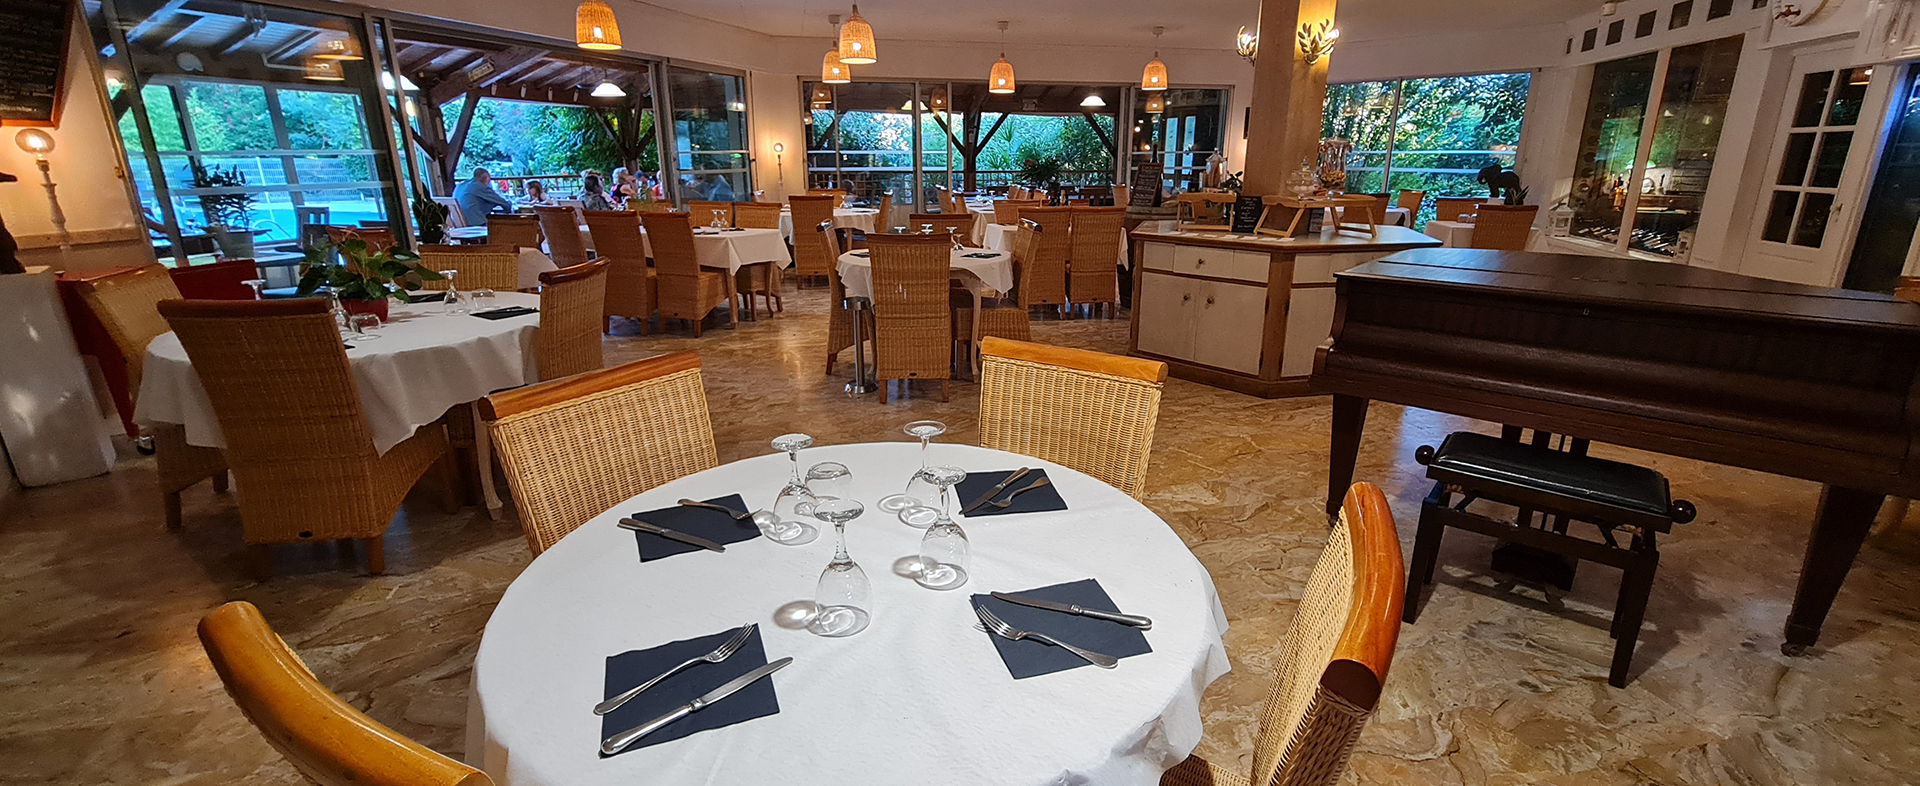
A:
[377,308]
[232,245]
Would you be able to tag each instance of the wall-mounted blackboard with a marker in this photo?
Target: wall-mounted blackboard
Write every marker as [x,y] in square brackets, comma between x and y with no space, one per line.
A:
[1145,186]
[1246,213]
[33,60]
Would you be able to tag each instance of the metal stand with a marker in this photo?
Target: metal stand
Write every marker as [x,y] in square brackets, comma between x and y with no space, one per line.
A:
[861,383]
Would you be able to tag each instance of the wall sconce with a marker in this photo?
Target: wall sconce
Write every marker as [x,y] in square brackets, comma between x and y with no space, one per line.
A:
[40,143]
[1317,43]
[1247,44]
[780,164]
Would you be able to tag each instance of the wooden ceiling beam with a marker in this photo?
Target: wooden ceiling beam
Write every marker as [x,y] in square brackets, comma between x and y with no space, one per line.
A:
[457,84]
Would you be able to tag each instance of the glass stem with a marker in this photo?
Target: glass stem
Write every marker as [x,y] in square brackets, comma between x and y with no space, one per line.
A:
[840,542]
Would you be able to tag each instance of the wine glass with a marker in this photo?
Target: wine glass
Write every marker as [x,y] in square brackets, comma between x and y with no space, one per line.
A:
[926,430]
[788,524]
[830,479]
[451,304]
[842,597]
[718,221]
[944,549]
[363,326]
[340,321]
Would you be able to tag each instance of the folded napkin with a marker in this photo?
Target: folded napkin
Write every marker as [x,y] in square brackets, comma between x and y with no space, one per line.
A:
[1038,500]
[860,254]
[980,255]
[426,297]
[345,345]
[1029,658]
[506,313]
[703,522]
[628,669]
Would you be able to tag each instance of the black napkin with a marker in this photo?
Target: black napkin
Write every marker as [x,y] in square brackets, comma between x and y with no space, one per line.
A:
[506,313]
[860,254]
[703,522]
[1038,500]
[345,345]
[426,297]
[1029,658]
[981,255]
[628,669]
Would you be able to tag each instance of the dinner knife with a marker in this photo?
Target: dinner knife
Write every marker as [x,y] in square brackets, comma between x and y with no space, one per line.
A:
[995,491]
[619,742]
[641,526]
[1067,608]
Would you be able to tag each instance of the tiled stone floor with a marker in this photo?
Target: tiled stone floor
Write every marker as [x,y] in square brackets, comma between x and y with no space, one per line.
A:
[102,679]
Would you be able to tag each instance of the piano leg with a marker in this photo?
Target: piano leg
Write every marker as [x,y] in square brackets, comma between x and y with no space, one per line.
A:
[1349,419]
[1839,527]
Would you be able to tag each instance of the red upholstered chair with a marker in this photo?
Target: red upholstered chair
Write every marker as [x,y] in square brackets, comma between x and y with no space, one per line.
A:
[218,281]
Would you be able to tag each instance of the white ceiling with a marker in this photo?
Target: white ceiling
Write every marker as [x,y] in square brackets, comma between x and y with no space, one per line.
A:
[1208,24]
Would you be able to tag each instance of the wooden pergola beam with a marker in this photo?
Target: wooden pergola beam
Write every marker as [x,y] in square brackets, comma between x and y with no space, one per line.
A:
[458,84]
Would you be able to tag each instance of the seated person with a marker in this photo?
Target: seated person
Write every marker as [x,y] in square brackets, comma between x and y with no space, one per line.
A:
[718,189]
[594,198]
[536,194]
[477,198]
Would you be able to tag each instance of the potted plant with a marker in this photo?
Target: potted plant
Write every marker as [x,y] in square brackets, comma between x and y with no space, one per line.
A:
[229,216]
[1043,172]
[431,216]
[364,278]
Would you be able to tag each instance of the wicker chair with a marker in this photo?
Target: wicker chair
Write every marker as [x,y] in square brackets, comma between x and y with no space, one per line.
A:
[700,212]
[376,238]
[226,280]
[1007,211]
[1333,658]
[573,309]
[960,224]
[1452,208]
[1505,227]
[1411,201]
[1094,276]
[1122,195]
[519,231]
[840,314]
[127,305]
[576,447]
[1005,316]
[883,220]
[326,739]
[839,196]
[809,211]
[631,289]
[560,226]
[756,215]
[1091,411]
[277,376]
[912,321]
[495,267]
[1046,267]
[759,278]
[685,291]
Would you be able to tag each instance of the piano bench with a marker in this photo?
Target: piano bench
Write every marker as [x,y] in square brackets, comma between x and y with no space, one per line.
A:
[1612,496]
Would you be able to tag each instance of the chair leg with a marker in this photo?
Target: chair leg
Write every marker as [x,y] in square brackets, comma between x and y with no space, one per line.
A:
[170,503]
[260,561]
[483,462]
[1628,612]
[696,327]
[884,384]
[945,391]
[376,554]
[221,482]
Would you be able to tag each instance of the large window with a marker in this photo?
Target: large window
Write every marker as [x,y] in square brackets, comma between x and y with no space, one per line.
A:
[709,134]
[1640,176]
[860,139]
[1181,128]
[1431,135]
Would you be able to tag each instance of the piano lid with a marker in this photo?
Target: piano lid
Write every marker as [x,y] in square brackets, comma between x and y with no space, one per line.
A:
[1638,283]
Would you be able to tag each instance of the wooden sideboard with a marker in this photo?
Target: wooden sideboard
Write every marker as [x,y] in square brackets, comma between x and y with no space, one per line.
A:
[1244,312]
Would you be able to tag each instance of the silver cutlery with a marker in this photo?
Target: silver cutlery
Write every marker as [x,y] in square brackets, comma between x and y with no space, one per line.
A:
[724,652]
[1067,608]
[642,526]
[1005,631]
[1003,503]
[1002,486]
[737,515]
[619,742]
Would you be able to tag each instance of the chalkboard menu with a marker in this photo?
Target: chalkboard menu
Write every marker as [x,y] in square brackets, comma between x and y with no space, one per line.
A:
[1246,213]
[1145,187]
[33,60]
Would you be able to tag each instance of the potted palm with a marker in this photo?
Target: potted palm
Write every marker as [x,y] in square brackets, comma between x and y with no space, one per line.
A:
[365,278]
[1043,172]
[229,216]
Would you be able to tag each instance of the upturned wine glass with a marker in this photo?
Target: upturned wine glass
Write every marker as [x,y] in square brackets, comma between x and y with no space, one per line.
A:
[843,597]
[830,479]
[719,219]
[919,490]
[452,303]
[788,524]
[944,550]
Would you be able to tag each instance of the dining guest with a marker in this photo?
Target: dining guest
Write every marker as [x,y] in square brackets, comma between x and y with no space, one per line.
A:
[594,198]
[537,194]
[625,186]
[718,189]
[653,184]
[593,173]
[477,198]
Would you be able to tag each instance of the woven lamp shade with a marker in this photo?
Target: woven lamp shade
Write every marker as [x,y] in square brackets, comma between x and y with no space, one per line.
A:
[1154,77]
[834,72]
[856,40]
[1001,79]
[1156,104]
[594,26]
[321,70]
[340,49]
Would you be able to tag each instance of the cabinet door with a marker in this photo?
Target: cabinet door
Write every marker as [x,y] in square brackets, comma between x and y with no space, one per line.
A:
[1309,322]
[1229,326]
[1166,311]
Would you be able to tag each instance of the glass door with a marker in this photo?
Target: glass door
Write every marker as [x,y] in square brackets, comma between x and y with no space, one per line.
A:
[1885,243]
[709,135]
[1814,167]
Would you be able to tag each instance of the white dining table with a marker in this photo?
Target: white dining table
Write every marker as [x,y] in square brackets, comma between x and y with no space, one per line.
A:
[1000,237]
[864,219]
[920,697]
[995,272]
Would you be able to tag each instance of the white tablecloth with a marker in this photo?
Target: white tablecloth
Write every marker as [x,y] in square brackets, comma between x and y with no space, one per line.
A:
[982,216]
[421,363]
[999,237]
[856,272]
[920,697]
[864,219]
[533,261]
[1459,234]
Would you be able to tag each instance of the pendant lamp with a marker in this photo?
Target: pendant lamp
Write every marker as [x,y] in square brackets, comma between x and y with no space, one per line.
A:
[594,26]
[344,48]
[320,70]
[856,40]
[1000,80]
[833,70]
[1154,77]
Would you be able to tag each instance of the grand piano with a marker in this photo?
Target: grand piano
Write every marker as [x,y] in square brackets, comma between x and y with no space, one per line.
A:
[1807,382]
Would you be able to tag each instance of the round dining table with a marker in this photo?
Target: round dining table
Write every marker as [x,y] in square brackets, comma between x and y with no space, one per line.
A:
[919,697]
[864,219]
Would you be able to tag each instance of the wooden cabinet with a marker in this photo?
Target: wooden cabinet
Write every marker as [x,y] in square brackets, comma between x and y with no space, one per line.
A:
[1243,312]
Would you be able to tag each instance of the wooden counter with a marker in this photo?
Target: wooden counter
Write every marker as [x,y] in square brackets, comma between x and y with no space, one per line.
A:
[1245,312]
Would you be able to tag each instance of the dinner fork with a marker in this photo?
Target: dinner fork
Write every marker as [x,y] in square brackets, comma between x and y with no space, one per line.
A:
[1003,503]
[1005,631]
[725,651]
[737,515]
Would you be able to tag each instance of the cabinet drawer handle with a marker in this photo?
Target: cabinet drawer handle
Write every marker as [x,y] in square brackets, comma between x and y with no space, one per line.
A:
[1209,300]
[1185,298]
[1199,261]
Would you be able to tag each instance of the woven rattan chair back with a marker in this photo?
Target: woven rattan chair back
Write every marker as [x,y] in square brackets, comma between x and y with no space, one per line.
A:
[513,229]
[575,447]
[1122,195]
[1411,201]
[323,737]
[1505,227]
[572,313]
[913,328]
[1094,275]
[630,285]
[883,219]
[808,212]
[675,262]
[1007,211]
[377,239]
[1452,208]
[756,215]
[1047,261]
[841,327]
[495,267]
[1090,411]
[126,304]
[701,212]
[960,224]
[561,227]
